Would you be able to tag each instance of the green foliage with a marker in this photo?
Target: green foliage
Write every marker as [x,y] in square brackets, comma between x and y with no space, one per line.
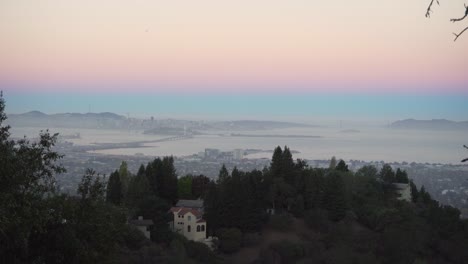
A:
[414,192]
[288,251]
[317,219]
[280,222]
[401,176]
[386,174]
[367,171]
[342,166]
[223,174]
[156,209]
[334,197]
[124,175]
[230,239]
[114,190]
[138,189]
[162,178]
[199,186]
[277,162]
[184,187]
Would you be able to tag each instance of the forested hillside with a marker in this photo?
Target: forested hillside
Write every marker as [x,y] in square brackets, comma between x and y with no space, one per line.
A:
[286,213]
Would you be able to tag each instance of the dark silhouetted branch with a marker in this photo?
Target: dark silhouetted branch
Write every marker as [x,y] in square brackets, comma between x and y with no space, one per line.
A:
[461,18]
[429,8]
[465,146]
[459,34]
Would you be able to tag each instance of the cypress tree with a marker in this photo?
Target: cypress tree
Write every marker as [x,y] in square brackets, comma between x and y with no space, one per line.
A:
[276,162]
[334,199]
[114,189]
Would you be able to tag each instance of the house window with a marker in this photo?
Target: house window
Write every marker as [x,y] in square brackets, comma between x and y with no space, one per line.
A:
[189,218]
[188,228]
[198,228]
[203,228]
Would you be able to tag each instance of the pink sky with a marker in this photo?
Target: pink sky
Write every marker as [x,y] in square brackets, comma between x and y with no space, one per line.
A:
[207,45]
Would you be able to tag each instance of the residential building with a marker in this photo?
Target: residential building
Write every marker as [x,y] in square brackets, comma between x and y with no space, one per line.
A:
[144,225]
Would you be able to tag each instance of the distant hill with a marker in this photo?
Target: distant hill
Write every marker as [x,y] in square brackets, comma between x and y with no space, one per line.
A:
[71,120]
[434,124]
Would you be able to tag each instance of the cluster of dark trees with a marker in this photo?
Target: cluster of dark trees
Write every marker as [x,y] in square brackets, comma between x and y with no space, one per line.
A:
[334,203]
[40,225]
[356,216]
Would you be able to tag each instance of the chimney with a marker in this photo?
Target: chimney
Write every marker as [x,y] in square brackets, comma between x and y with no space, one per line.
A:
[140,218]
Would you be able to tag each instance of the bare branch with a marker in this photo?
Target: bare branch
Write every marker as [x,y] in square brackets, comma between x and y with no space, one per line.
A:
[459,34]
[461,18]
[429,8]
[465,146]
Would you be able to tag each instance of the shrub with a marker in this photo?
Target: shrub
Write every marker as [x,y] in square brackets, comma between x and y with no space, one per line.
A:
[289,251]
[281,222]
[229,239]
[317,219]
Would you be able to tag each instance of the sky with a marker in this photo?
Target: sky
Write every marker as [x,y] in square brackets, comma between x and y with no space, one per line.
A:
[362,58]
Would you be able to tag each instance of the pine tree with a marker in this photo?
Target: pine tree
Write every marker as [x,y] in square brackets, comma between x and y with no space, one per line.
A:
[386,174]
[288,167]
[332,165]
[114,189]
[223,174]
[124,177]
[184,187]
[276,163]
[414,192]
[401,176]
[334,199]
[342,166]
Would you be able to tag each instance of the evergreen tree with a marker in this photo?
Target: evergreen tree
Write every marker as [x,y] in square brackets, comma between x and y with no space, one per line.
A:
[313,188]
[401,176]
[332,165]
[212,204]
[342,166]
[199,186]
[386,174]
[114,189]
[367,171]
[27,173]
[162,178]
[288,167]
[124,177]
[141,170]
[414,192]
[223,174]
[277,162]
[184,187]
[138,189]
[334,198]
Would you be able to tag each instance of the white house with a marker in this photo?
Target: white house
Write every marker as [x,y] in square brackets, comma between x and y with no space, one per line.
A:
[189,221]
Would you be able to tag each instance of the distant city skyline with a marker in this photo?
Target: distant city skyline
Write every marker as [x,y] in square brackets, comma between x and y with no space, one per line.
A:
[300,107]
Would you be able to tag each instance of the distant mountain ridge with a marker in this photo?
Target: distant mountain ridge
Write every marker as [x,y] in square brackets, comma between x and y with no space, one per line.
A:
[72,120]
[433,124]
[107,120]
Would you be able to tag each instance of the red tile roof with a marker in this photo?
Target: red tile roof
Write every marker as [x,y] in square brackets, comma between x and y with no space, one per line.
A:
[184,210]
